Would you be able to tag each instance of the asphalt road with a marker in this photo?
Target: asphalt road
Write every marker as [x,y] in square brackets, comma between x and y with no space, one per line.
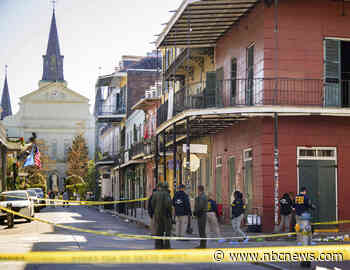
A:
[36,236]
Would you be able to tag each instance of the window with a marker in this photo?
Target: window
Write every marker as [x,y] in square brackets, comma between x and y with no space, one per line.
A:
[250,75]
[248,154]
[66,146]
[233,80]
[54,149]
[219,161]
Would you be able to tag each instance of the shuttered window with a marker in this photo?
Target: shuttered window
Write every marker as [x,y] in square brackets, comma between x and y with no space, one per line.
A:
[332,72]
[233,80]
[232,176]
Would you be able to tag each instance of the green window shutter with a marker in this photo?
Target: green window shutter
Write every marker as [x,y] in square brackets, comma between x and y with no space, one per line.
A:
[232,176]
[210,82]
[209,91]
[218,184]
[332,72]
[207,172]
[233,80]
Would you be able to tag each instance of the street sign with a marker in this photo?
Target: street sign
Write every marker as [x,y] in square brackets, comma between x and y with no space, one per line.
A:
[196,148]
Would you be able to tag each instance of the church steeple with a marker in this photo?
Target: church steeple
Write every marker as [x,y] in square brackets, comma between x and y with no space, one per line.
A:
[5,99]
[53,60]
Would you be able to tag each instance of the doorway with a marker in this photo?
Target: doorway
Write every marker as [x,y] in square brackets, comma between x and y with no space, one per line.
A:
[317,171]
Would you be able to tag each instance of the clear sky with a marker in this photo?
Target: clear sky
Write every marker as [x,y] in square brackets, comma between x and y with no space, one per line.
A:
[92,34]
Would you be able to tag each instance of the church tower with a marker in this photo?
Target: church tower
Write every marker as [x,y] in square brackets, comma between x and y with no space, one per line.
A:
[53,60]
[5,99]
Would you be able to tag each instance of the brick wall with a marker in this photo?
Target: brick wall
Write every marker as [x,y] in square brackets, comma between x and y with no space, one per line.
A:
[315,131]
[138,82]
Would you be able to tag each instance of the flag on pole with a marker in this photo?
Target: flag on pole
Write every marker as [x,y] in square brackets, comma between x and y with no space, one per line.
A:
[37,161]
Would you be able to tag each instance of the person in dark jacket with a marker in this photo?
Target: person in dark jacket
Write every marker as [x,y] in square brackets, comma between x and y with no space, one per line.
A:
[302,204]
[238,207]
[162,206]
[286,205]
[200,211]
[151,212]
[182,207]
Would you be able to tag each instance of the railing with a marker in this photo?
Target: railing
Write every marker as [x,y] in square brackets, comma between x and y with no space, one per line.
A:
[162,113]
[103,110]
[259,92]
[137,149]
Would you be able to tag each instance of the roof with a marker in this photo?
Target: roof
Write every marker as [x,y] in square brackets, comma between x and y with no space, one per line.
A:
[146,63]
[53,60]
[5,101]
[200,23]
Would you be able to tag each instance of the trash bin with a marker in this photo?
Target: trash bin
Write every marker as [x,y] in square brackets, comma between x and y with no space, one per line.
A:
[254,222]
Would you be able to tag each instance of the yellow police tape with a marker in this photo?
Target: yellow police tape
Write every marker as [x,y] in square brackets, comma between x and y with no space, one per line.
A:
[226,255]
[72,202]
[331,222]
[141,237]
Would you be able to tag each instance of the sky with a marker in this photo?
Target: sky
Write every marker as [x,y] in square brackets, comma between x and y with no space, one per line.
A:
[92,34]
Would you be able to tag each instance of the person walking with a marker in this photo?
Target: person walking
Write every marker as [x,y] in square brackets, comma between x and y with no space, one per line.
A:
[213,217]
[151,212]
[181,203]
[200,211]
[286,205]
[162,206]
[238,207]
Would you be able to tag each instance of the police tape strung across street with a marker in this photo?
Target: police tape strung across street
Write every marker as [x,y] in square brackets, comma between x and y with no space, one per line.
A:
[75,203]
[224,255]
[140,237]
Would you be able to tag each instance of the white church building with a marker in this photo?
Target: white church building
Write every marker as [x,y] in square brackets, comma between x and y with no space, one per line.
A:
[55,112]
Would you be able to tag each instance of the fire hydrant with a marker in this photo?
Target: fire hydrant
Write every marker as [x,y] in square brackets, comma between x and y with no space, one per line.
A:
[304,234]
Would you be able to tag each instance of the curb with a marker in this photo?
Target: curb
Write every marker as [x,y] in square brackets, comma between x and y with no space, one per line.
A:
[133,219]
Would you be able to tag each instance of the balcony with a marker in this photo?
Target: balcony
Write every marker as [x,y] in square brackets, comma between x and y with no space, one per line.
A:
[137,150]
[111,113]
[259,92]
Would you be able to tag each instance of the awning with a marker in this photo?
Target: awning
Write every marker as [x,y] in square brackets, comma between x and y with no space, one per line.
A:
[130,162]
[200,23]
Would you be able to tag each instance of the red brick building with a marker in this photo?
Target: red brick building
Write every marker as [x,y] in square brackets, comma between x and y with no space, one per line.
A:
[288,60]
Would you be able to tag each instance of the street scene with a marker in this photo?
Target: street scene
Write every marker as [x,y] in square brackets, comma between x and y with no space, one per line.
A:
[197,134]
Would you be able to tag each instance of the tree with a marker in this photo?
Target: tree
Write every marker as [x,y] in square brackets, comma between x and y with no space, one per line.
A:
[78,158]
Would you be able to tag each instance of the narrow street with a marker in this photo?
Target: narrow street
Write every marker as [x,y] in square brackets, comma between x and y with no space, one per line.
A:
[37,236]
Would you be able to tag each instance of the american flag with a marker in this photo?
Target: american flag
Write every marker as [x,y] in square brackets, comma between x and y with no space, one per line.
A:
[37,161]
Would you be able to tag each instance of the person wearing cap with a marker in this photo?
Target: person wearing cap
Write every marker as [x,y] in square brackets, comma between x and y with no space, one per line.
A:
[181,203]
[200,211]
[162,206]
[302,204]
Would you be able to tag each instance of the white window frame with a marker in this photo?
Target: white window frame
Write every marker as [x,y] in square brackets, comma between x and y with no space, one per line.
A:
[320,158]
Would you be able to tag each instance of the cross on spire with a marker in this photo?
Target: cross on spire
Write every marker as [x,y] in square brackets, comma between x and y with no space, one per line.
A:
[53,4]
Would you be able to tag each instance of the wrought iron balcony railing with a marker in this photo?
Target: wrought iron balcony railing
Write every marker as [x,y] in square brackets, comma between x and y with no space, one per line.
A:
[137,149]
[259,92]
[103,110]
